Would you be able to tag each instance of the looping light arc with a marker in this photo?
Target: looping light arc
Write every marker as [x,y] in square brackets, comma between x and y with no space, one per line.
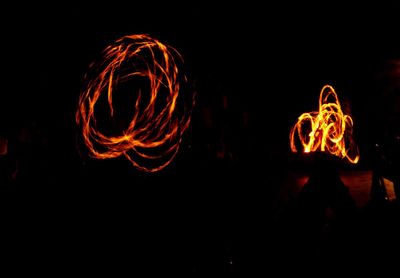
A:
[160,110]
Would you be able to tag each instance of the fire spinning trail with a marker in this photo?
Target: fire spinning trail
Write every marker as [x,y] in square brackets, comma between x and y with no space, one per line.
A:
[161,115]
[327,130]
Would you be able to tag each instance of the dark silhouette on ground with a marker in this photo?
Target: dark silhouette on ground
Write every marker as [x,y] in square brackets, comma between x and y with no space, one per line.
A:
[318,224]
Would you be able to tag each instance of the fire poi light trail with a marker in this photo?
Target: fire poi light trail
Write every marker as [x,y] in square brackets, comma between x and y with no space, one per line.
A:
[326,130]
[159,114]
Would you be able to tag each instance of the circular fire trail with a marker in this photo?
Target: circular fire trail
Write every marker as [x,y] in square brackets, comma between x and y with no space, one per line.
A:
[327,130]
[142,76]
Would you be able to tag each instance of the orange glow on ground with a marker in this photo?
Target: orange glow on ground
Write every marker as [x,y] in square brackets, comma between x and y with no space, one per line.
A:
[159,114]
[3,146]
[326,130]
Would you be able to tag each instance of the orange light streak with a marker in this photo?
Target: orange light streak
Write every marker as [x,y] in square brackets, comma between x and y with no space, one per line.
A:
[160,113]
[326,130]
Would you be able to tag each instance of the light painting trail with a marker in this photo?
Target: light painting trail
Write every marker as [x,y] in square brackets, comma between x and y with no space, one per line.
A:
[159,107]
[326,130]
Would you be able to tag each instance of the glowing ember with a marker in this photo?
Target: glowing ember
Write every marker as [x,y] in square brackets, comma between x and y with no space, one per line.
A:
[3,146]
[327,130]
[157,109]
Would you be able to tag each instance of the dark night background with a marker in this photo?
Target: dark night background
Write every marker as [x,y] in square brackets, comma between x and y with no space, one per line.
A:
[255,67]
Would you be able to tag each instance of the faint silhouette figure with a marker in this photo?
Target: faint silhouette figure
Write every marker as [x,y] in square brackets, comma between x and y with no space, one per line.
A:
[387,82]
[31,154]
[378,192]
[7,163]
[321,218]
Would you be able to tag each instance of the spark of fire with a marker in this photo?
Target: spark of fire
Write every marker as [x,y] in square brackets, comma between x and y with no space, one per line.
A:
[160,113]
[327,130]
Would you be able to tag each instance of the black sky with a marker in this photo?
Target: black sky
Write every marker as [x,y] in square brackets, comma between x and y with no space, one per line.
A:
[270,61]
[259,54]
